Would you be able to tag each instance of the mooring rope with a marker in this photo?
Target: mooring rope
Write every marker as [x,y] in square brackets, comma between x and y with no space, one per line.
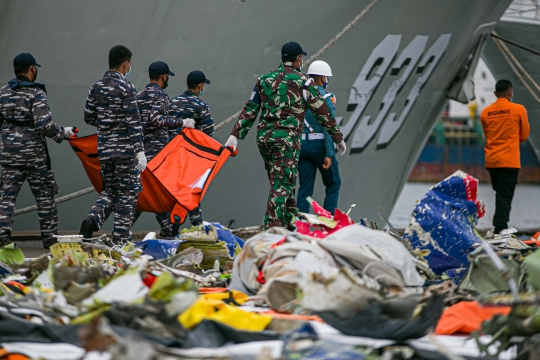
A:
[513,63]
[314,56]
[236,114]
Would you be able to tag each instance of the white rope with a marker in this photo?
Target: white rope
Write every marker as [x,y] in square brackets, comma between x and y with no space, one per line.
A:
[314,56]
[236,114]
[58,200]
[513,63]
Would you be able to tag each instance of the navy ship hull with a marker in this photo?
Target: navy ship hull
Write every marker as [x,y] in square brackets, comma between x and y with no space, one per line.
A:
[391,72]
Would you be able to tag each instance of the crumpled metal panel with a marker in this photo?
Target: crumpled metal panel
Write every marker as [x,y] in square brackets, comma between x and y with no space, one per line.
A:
[444,222]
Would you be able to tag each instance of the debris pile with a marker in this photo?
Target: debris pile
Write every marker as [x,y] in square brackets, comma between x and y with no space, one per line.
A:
[333,289]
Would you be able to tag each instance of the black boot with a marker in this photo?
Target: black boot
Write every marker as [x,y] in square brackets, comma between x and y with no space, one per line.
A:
[166,234]
[87,228]
[47,244]
[48,240]
[195,216]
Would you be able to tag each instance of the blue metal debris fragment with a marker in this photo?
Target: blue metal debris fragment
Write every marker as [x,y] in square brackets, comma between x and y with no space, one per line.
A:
[159,249]
[444,222]
[226,235]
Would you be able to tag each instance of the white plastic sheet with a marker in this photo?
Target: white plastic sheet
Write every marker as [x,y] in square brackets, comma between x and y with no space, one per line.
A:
[389,249]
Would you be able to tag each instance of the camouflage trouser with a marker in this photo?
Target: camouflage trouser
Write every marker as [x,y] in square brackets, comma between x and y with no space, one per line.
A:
[281,163]
[43,186]
[195,216]
[121,187]
[162,219]
[151,149]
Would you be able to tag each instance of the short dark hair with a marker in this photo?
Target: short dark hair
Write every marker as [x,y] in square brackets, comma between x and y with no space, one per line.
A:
[117,55]
[156,77]
[193,85]
[23,70]
[290,58]
[503,86]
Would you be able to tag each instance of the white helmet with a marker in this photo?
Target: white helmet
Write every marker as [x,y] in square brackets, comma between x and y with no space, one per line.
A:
[319,67]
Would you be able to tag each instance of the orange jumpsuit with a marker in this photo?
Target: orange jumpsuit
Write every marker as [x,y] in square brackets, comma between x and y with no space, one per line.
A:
[505,126]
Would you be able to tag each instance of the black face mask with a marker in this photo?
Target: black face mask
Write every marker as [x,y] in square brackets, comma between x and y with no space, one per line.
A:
[35,75]
[166,83]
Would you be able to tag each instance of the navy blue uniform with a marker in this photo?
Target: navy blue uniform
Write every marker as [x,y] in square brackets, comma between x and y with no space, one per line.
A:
[111,106]
[25,121]
[153,104]
[317,144]
[189,106]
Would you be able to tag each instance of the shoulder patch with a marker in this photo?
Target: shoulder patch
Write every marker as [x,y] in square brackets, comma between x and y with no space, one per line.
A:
[331,96]
[255,96]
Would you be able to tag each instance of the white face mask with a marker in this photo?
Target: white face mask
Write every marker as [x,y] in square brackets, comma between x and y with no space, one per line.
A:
[129,72]
[301,66]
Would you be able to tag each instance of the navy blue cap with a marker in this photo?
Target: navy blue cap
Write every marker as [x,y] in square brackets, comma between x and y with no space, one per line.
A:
[159,68]
[23,60]
[292,49]
[197,77]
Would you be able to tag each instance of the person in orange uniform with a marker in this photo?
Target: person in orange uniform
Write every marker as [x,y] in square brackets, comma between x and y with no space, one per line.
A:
[505,126]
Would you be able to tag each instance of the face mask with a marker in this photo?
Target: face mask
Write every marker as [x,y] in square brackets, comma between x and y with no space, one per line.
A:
[325,83]
[35,75]
[166,83]
[202,92]
[301,66]
[129,72]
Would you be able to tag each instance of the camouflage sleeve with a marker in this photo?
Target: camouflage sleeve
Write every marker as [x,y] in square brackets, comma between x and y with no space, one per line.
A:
[133,118]
[323,113]
[159,118]
[42,116]
[248,115]
[174,112]
[90,113]
[205,121]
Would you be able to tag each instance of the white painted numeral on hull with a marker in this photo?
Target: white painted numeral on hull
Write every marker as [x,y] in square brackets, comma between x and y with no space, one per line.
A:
[363,88]
[366,84]
[426,67]
[409,57]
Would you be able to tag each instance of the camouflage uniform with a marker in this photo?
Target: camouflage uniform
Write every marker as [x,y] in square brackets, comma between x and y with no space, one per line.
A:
[153,104]
[26,120]
[111,106]
[189,105]
[280,95]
